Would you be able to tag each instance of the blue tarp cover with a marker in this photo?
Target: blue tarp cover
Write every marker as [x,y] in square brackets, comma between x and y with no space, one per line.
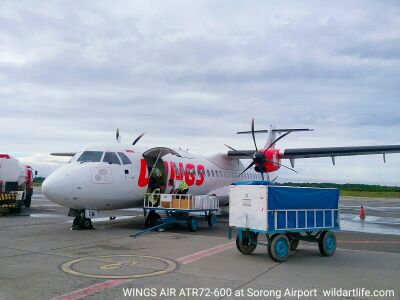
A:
[284,197]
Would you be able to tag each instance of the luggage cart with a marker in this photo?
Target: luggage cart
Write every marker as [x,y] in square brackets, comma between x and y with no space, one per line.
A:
[178,209]
[285,215]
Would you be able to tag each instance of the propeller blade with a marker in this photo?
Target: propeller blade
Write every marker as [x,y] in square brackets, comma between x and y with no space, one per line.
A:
[252,133]
[233,149]
[275,163]
[262,175]
[248,167]
[117,134]
[138,138]
[273,143]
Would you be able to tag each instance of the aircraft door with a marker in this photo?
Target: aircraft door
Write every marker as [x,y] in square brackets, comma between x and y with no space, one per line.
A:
[157,174]
[127,167]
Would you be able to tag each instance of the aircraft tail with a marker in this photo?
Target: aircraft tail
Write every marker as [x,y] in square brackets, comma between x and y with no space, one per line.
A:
[271,137]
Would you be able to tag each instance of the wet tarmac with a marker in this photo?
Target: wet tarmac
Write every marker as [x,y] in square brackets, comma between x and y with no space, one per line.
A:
[40,258]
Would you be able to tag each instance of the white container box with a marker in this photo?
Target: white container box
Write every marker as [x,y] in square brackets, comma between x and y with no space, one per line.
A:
[248,206]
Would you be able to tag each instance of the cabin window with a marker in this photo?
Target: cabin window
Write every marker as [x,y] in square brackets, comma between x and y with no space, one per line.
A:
[208,173]
[212,173]
[91,156]
[125,159]
[111,158]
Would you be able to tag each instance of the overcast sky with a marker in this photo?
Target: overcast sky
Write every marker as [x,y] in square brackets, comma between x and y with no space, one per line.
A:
[192,73]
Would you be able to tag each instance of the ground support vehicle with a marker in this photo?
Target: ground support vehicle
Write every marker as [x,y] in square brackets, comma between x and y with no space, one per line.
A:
[178,209]
[15,184]
[285,215]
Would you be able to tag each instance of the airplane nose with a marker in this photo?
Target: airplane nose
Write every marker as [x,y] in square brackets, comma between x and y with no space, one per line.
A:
[58,189]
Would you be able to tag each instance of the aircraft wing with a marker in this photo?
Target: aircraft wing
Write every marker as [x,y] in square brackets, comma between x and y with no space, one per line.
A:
[332,152]
[337,151]
[63,153]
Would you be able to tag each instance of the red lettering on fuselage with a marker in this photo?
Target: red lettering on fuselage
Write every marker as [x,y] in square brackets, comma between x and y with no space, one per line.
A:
[181,172]
[173,168]
[188,173]
[143,177]
[200,171]
[190,176]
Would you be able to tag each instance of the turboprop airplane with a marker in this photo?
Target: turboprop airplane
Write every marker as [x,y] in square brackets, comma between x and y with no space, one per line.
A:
[117,176]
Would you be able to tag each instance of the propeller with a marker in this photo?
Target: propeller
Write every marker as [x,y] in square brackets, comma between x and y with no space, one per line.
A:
[259,157]
[138,138]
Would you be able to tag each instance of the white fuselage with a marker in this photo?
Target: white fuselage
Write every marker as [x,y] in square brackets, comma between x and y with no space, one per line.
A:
[102,185]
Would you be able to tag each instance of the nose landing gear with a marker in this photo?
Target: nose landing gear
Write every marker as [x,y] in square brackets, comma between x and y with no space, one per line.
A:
[80,221]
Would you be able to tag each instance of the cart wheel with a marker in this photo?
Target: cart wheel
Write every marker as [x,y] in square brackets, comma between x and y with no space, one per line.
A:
[293,244]
[211,220]
[153,219]
[248,243]
[278,247]
[192,223]
[327,243]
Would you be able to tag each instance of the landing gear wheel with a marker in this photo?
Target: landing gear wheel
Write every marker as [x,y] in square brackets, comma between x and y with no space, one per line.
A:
[76,221]
[248,243]
[81,223]
[211,220]
[192,224]
[278,247]
[327,243]
[152,219]
[293,244]
[87,223]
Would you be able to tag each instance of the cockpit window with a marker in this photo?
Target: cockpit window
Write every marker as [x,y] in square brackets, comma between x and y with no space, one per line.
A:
[91,156]
[124,158]
[111,158]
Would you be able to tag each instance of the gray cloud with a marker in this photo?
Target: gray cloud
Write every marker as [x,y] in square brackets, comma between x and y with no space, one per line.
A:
[192,73]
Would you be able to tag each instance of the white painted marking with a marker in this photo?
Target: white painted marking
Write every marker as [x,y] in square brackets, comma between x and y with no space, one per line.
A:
[46,216]
[103,219]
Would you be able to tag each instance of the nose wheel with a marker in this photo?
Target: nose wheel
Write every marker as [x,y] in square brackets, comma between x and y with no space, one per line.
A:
[81,223]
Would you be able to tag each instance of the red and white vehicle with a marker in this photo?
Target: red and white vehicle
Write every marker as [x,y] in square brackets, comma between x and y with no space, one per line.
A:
[15,183]
[115,176]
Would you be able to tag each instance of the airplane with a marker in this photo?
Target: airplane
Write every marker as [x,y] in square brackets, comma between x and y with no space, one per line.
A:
[117,176]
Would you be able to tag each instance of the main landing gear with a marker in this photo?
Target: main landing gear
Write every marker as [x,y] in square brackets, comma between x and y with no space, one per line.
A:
[80,221]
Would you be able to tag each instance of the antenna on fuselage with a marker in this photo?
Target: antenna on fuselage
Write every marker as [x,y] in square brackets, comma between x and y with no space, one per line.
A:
[117,136]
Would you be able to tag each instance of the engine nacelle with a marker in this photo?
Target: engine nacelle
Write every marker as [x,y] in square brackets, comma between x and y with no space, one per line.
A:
[271,161]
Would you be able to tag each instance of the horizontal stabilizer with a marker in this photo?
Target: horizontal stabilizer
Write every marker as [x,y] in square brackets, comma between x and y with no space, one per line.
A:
[276,130]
